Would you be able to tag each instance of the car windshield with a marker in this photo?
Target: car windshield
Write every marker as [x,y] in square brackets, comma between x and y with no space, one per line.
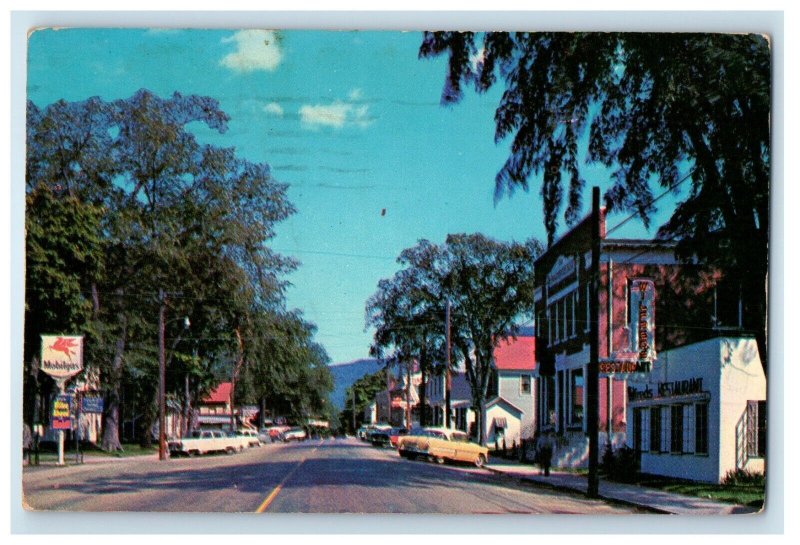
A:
[459,437]
[437,434]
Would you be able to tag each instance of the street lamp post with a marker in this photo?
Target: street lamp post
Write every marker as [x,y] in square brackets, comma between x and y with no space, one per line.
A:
[162,378]
[162,373]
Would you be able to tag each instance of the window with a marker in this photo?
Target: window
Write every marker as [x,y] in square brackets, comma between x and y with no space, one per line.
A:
[701,428]
[574,298]
[727,305]
[756,428]
[586,324]
[565,319]
[525,384]
[637,429]
[576,393]
[655,429]
[558,323]
[676,436]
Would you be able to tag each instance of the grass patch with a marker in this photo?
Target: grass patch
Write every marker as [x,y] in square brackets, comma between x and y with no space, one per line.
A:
[743,493]
[49,454]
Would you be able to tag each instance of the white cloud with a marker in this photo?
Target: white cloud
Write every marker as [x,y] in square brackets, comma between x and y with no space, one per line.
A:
[274,108]
[337,115]
[255,50]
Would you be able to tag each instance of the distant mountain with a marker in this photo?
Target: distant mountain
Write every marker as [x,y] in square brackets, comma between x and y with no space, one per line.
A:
[345,374]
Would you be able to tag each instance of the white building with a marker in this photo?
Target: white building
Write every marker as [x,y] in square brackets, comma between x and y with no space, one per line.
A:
[510,404]
[701,411]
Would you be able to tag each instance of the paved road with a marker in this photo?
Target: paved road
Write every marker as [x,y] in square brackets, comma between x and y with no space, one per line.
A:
[333,476]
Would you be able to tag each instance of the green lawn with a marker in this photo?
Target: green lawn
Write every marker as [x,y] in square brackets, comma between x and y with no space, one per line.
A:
[750,494]
[69,453]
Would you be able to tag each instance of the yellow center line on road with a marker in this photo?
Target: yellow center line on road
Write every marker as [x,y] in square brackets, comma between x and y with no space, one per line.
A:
[268,500]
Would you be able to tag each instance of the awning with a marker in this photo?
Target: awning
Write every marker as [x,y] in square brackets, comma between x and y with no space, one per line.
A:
[500,422]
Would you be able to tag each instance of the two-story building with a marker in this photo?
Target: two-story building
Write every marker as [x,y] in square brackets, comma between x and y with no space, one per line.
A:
[649,303]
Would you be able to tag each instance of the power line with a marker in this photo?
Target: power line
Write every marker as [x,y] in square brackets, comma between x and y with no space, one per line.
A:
[652,201]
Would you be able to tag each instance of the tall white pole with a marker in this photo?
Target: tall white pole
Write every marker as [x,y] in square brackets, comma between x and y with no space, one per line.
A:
[61,432]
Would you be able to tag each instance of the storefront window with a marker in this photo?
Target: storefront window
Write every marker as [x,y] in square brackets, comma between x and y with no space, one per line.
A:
[676,436]
[756,428]
[655,429]
[701,428]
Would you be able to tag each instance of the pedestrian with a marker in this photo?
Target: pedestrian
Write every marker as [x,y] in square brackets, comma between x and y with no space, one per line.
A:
[545,446]
[27,442]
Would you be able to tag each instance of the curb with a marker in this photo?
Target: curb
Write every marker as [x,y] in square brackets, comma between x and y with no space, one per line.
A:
[564,488]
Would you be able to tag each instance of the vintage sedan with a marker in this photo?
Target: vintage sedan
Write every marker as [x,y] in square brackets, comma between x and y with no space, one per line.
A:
[440,445]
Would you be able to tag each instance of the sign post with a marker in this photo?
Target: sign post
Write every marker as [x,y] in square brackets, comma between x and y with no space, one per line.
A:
[62,358]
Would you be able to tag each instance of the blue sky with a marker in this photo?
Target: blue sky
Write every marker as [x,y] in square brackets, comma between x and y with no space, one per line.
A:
[350,120]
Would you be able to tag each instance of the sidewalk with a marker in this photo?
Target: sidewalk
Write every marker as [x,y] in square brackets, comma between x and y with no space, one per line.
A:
[657,501]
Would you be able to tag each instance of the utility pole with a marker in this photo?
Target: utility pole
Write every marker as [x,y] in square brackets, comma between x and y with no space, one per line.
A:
[354,408]
[593,377]
[162,378]
[447,379]
[409,364]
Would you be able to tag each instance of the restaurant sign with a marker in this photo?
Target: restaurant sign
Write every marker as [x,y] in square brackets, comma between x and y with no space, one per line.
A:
[638,356]
[665,390]
[642,307]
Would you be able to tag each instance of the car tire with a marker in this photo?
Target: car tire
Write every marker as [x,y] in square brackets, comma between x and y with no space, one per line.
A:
[480,461]
[230,450]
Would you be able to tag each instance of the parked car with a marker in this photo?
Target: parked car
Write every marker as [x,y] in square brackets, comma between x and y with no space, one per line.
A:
[294,434]
[250,437]
[440,445]
[205,441]
[376,428]
[272,434]
[396,434]
[239,442]
[387,437]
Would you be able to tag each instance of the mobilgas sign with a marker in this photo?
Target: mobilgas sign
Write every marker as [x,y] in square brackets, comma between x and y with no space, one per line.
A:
[663,390]
[62,355]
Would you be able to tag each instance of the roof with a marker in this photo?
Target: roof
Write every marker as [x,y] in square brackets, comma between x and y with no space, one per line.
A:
[220,394]
[503,401]
[516,354]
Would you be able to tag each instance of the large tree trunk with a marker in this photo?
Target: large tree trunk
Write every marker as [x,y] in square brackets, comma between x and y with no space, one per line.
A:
[112,402]
[423,412]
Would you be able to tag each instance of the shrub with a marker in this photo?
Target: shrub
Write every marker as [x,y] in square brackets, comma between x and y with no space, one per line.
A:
[620,465]
[743,477]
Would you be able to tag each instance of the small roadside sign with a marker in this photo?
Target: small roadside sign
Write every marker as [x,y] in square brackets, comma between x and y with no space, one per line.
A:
[92,404]
[60,415]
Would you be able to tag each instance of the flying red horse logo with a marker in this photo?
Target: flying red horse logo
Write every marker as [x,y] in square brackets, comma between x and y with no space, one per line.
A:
[64,345]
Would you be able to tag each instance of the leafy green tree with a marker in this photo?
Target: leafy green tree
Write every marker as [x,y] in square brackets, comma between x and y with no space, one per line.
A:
[652,103]
[64,250]
[190,219]
[489,285]
[363,392]
[407,312]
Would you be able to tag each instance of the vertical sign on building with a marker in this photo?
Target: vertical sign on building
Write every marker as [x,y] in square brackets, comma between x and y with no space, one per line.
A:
[642,321]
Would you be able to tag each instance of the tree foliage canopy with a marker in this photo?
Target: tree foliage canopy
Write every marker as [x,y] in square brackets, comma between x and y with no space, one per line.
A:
[490,288]
[124,201]
[654,105]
